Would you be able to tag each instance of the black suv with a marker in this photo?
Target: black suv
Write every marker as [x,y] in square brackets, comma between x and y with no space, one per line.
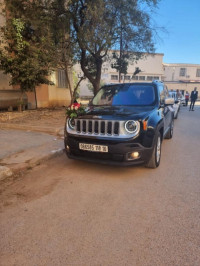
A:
[124,124]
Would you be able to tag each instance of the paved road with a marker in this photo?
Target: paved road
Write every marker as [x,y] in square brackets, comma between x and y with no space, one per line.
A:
[15,141]
[75,213]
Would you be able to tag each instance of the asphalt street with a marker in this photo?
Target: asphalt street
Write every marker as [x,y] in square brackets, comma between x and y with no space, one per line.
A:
[15,141]
[67,212]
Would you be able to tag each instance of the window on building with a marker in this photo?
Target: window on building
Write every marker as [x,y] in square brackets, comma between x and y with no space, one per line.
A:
[150,78]
[141,77]
[127,77]
[104,69]
[182,72]
[156,78]
[135,77]
[114,77]
[62,81]
[198,73]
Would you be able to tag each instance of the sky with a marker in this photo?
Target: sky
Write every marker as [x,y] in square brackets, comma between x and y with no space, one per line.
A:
[180,42]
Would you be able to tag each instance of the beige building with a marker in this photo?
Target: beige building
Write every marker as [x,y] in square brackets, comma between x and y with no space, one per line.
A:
[51,95]
[182,76]
[47,95]
[150,65]
[176,76]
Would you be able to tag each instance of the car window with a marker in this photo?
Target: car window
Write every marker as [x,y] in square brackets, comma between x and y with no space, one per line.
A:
[125,95]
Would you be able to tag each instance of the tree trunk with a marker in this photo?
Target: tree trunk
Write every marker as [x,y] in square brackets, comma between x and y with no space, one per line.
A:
[75,90]
[68,81]
[36,105]
[95,81]
[20,102]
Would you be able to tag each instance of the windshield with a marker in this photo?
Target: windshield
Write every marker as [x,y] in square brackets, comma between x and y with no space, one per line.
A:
[129,94]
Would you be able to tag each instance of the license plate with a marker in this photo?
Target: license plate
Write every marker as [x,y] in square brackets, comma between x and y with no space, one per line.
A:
[92,147]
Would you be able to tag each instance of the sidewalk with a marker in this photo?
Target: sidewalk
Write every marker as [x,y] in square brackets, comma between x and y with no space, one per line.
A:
[30,138]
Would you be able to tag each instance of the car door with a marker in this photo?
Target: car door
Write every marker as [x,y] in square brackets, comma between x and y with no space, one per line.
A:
[166,110]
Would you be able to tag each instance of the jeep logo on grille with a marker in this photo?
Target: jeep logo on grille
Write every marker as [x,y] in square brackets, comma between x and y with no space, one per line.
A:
[97,116]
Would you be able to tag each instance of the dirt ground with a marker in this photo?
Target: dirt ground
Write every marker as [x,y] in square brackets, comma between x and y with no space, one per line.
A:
[23,187]
[45,117]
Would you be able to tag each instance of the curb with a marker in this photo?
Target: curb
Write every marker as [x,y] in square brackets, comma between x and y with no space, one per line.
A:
[10,170]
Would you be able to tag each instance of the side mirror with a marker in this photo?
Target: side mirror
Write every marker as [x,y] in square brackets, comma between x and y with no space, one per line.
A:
[169,101]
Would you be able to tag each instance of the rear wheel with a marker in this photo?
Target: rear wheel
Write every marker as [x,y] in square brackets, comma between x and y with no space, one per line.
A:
[169,134]
[156,155]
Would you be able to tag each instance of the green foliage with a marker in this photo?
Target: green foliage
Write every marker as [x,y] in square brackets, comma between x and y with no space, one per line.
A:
[91,88]
[27,51]
[101,25]
[120,63]
[41,35]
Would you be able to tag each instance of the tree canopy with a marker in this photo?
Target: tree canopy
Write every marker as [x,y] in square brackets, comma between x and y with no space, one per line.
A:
[27,50]
[41,35]
[103,24]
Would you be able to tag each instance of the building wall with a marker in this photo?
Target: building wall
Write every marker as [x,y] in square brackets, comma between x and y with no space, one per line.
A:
[59,96]
[50,95]
[42,97]
[151,68]
[184,77]
[4,82]
[172,72]
[182,86]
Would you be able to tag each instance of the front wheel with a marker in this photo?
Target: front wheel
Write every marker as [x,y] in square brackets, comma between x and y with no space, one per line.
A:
[154,161]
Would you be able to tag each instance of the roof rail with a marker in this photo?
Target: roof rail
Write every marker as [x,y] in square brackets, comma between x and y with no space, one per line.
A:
[155,81]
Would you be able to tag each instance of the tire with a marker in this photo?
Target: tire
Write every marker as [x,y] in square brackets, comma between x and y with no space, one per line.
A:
[154,161]
[169,134]
[176,116]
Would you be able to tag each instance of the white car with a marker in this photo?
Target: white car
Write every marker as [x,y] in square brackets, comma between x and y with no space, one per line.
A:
[177,102]
[182,100]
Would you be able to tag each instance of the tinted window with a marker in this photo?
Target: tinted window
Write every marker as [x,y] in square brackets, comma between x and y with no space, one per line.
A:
[129,94]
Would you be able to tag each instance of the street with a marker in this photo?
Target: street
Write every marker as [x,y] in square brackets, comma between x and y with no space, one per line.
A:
[66,212]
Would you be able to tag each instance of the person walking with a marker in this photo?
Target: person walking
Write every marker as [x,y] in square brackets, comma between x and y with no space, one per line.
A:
[193,97]
[187,96]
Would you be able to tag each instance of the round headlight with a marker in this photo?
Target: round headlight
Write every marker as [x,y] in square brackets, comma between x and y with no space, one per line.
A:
[131,126]
[71,123]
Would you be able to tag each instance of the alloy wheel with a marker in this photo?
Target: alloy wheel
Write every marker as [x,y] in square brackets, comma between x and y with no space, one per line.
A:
[158,150]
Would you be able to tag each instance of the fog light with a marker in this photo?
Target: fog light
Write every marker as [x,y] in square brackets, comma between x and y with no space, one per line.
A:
[135,154]
[67,148]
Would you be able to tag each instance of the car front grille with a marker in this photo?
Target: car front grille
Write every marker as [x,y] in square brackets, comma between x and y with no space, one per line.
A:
[97,127]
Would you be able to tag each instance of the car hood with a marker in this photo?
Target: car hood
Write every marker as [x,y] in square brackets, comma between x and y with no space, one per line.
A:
[118,112]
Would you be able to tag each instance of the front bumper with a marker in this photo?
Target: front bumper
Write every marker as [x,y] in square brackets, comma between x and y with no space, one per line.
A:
[118,151]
